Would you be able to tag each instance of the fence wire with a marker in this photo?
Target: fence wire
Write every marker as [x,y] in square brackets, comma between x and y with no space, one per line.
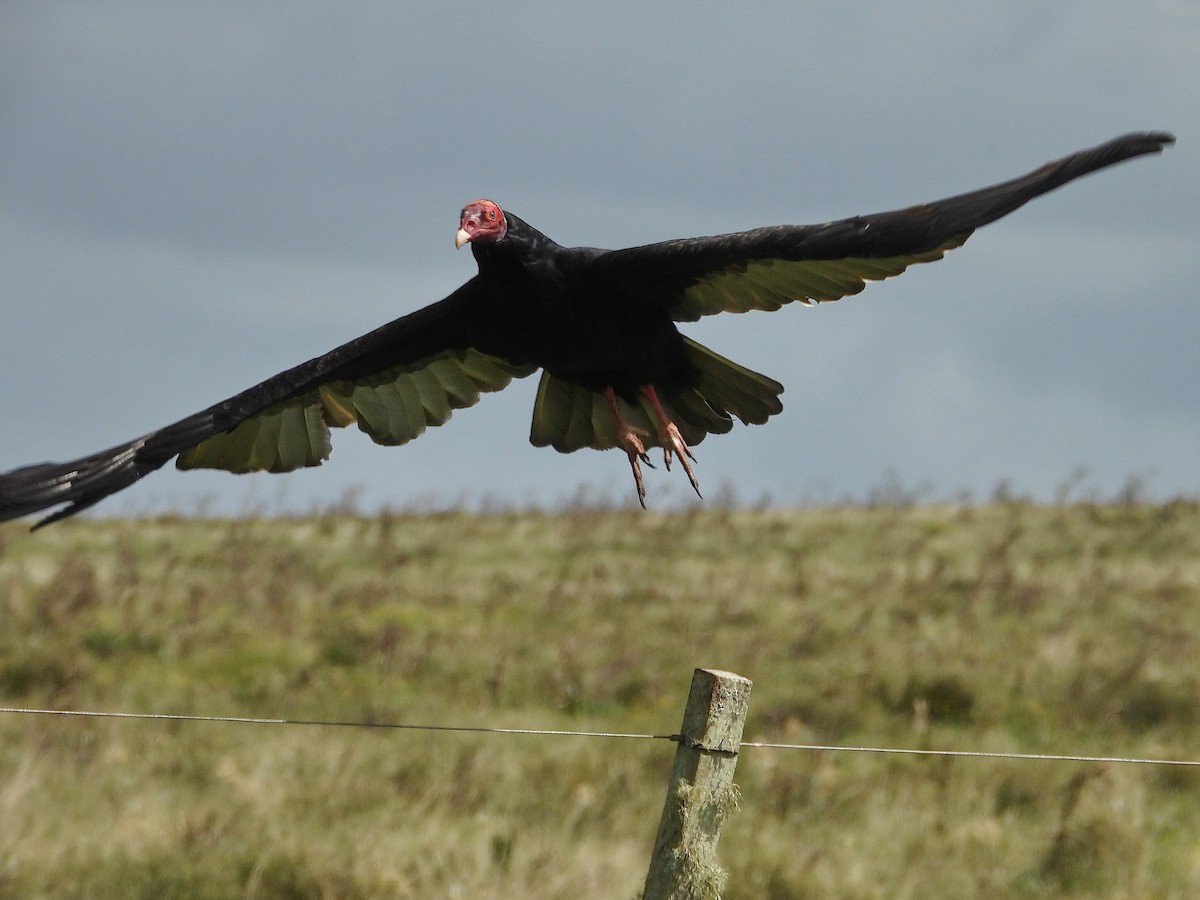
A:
[322,723]
[481,729]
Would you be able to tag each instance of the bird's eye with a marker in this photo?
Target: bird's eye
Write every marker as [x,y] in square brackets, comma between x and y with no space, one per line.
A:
[492,214]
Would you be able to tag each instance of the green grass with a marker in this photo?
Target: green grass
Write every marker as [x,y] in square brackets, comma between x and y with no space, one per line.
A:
[1008,627]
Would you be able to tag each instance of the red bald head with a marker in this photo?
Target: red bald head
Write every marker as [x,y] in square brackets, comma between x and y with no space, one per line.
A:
[481,221]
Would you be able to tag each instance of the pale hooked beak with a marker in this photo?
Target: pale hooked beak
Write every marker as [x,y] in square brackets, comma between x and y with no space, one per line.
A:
[461,238]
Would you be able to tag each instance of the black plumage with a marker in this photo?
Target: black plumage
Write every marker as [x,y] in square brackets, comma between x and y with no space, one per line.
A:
[601,325]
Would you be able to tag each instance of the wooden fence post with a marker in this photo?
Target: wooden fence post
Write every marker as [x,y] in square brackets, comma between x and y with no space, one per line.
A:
[701,793]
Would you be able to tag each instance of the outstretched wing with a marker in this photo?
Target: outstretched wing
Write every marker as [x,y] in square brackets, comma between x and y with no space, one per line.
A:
[393,383]
[768,267]
[392,406]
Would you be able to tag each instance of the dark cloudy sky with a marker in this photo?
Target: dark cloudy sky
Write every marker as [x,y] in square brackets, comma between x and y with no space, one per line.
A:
[195,196]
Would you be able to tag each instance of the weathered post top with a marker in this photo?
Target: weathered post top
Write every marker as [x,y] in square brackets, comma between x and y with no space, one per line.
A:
[701,793]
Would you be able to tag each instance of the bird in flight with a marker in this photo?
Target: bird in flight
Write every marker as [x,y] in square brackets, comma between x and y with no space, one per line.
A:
[599,324]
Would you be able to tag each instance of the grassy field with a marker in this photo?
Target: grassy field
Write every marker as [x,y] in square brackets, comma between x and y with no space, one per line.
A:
[1002,627]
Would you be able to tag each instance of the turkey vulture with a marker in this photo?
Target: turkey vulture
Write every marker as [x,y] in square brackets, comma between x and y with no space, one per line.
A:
[600,324]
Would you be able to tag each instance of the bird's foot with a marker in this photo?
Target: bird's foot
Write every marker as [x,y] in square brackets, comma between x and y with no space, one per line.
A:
[631,442]
[671,439]
[673,444]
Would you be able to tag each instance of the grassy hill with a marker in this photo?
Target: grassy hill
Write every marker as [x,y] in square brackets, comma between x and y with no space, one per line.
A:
[1011,627]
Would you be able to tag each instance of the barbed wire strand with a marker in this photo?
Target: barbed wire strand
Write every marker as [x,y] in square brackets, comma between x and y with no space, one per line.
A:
[480,729]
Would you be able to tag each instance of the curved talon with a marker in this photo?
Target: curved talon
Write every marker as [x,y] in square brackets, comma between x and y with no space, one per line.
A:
[632,443]
[637,479]
[630,439]
[671,439]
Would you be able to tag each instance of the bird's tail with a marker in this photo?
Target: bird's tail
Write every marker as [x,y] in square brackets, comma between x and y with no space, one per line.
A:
[570,417]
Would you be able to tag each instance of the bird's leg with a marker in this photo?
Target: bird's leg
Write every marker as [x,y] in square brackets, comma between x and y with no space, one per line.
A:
[670,438]
[630,439]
